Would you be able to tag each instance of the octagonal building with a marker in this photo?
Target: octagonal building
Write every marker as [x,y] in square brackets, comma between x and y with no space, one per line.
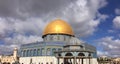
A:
[59,46]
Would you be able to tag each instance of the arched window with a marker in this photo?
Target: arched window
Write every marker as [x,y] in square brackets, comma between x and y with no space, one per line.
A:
[69,54]
[55,38]
[53,50]
[59,54]
[30,52]
[64,38]
[27,54]
[59,49]
[51,37]
[81,54]
[89,54]
[24,53]
[34,52]
[38,52]
[45,38]
[43,51]
[48,51]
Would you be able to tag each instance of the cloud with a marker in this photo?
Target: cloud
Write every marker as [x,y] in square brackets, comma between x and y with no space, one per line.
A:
[117,11]
[16,41]
[7,50]
[110,46]
[116,22]
[101,53]
[79,13]
[111,31]
[22,39]
[24,21]
[82,15]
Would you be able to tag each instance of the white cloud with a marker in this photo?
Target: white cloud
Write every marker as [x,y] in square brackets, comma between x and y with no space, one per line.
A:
[110,45]
[16,32]
[16,41]
[111,31]
[22,39]
[7,49]
[102,3]
[101,53]
[116,22]
[31,25]
[117,11]
[3,26]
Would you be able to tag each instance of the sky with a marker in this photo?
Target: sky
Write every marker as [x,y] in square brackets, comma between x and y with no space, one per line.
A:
[96,22]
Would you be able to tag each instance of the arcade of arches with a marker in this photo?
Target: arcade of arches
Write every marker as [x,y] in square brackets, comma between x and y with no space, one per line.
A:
[74,58]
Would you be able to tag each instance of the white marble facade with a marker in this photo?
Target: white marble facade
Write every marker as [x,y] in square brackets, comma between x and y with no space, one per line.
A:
[52,60]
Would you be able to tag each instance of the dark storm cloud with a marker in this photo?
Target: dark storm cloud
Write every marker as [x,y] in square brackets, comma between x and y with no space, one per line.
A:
[8,8]
[18,8]
[39,7]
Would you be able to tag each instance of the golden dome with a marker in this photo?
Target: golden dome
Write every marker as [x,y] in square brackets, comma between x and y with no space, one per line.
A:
[58,26]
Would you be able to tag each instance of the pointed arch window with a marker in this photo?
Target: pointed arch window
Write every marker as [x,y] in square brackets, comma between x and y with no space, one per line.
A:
[43,51]
[53,50]
[38,52]
[48,51]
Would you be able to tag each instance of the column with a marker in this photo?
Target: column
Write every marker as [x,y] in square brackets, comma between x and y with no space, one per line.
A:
[75,60]
[89,60]
[58,60]
[63,60]
[71,61]
[82,61]
[78,60]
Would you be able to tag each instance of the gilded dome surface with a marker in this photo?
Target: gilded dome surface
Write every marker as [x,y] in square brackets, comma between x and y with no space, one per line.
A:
[58,26]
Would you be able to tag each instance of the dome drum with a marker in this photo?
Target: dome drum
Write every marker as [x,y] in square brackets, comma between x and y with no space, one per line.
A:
[57,34]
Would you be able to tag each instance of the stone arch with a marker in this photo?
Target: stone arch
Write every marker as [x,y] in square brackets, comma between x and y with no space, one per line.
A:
[68,54]
[4,62]
[89,54]
[81,54]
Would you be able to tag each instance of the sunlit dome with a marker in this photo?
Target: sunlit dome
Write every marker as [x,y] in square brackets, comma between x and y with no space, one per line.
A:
[58,26]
